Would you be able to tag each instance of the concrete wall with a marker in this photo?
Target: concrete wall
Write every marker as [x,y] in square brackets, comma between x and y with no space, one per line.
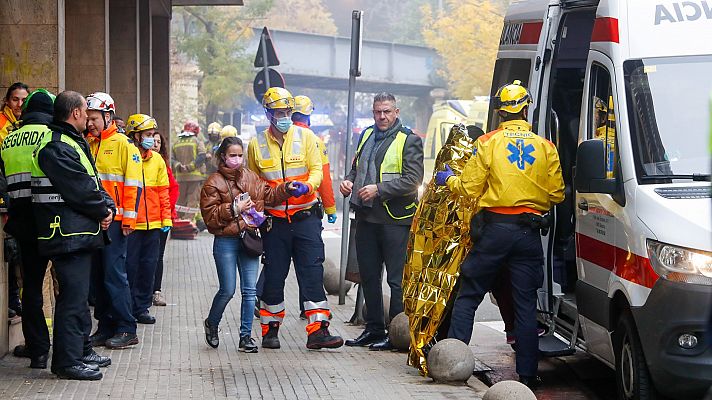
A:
[161,74]
[30,46]
[85,46]
[123,37]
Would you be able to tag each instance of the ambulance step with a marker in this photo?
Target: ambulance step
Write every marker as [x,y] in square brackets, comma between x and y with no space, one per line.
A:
[551,346]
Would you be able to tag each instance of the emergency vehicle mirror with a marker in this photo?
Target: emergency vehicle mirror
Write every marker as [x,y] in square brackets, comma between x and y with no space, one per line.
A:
[590,175]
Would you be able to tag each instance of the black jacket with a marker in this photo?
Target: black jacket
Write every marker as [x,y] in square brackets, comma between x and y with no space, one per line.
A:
[400,192]
[85,204]
[20,210]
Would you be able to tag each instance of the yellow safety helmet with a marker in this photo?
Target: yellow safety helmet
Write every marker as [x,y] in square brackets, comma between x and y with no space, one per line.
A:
[140,122]
[512,98]
[277,98]
[303,105]
[214,127]
[228,131]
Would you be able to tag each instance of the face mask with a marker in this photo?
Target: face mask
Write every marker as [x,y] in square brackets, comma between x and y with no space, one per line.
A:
[147,143]
[233,162]
[283,124]
[214,138]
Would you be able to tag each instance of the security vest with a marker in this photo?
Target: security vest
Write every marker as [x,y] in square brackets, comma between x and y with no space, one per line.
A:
[186,151]
[61,229]
[16,154]
[298,159]
[391,168]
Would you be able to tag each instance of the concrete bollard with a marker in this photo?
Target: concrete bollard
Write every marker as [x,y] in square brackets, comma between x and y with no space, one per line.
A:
[399,332]
[450,360]
[331,278]
[509,390]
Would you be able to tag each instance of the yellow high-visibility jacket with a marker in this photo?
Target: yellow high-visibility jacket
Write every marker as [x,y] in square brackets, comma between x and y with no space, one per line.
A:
[154,210]
[513,170]
[119,164]
[298,159]
[8,122]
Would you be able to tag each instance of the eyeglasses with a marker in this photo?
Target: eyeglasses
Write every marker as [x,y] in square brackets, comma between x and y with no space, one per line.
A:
[383,112]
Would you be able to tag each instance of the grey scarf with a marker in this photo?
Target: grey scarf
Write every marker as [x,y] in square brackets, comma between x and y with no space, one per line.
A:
[367,171]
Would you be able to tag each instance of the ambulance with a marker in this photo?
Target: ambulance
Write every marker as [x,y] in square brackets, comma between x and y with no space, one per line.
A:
[622,88]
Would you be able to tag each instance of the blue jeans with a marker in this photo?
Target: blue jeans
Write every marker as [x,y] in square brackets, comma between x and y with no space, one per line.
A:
[230,259]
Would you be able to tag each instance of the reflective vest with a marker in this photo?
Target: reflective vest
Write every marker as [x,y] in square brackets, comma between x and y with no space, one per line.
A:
[119,164]
[188,152]
[298,159]
[16,153]
[391,168]
[8,122]
[61,229]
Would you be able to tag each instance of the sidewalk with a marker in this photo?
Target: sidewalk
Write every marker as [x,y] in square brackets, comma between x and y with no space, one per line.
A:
[173,362]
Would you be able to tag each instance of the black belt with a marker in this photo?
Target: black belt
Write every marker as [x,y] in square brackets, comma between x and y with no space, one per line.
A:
[531,220]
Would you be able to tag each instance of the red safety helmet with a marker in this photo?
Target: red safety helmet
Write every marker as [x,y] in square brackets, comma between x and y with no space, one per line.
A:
[191,126]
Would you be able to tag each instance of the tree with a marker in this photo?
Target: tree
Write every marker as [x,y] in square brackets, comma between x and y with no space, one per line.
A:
[307,16]
[215,39]
[465,34]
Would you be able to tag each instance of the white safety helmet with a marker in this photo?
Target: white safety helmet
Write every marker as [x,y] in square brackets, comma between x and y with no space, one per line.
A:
[100,101]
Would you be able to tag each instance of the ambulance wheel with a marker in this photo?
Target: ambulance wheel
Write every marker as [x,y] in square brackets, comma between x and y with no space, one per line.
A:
[632,377]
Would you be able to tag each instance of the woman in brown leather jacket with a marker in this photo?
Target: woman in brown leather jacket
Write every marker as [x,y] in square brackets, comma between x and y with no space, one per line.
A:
[223,200]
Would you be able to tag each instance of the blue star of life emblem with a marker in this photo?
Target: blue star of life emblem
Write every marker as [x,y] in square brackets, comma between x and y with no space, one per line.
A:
[521,154]
[136,158]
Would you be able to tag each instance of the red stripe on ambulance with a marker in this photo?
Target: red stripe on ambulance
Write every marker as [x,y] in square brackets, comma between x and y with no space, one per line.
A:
[621,262]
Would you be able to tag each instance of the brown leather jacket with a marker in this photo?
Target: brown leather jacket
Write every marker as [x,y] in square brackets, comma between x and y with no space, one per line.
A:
[216,198]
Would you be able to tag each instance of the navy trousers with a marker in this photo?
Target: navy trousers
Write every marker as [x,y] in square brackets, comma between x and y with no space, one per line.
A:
[113,304]
[520,248]
[299,241]
[141,260]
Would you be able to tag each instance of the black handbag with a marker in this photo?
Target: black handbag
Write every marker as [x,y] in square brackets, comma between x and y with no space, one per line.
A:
[252,242]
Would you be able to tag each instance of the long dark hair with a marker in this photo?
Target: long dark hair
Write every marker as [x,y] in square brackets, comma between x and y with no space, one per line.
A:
[163,151]
[224,145]
[13,87]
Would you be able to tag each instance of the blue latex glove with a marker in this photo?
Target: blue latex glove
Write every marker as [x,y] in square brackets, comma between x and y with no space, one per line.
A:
[442,176]
[331,218]
[298,189]
[165,229]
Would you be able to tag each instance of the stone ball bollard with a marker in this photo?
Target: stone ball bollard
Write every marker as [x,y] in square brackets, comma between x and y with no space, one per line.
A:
[450,360]
[386,309]
[399,332]
[331,278]
[509,390]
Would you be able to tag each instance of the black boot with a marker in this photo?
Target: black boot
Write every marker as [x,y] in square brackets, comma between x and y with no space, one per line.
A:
[322,339]
[122,341]
[271,340]
[211,334]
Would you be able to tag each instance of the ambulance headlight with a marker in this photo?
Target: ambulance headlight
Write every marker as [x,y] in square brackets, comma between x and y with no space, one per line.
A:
[680,264]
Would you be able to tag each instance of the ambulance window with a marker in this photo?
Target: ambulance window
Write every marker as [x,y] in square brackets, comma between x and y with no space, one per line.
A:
[506,70]
[602,115]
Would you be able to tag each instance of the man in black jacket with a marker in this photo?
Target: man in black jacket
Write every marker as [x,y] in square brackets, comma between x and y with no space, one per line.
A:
[385,176]
[70,209]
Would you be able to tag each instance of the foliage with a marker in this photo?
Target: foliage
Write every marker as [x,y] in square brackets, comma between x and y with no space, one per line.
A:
[307,16]
[465,34]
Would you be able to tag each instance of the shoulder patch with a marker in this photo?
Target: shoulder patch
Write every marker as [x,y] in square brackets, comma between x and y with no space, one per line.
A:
[136,158]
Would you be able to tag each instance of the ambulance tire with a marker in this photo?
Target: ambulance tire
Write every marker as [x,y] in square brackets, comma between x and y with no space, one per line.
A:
[632,376]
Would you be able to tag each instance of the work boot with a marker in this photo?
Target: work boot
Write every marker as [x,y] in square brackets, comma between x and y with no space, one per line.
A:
[211,334]
[247,344]
[158,299]
[270,340]
[99,339]
[322,339]
[77,372]
[21,351]
[122,341]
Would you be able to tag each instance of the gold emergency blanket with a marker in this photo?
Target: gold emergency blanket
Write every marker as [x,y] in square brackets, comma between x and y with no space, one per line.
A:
[439,241]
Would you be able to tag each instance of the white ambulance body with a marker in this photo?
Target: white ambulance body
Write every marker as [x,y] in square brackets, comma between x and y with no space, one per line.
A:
[622,88]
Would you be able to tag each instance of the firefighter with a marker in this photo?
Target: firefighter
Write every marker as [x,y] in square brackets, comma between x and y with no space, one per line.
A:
[288,153]
[119,165]
[211,146]
[516,175]
[189,159]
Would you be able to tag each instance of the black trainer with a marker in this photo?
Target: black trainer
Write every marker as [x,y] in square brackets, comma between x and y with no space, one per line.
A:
[271,339]
[322,339]
[247,344]
[122,341]
[93,358]
[77,372]
[211,334]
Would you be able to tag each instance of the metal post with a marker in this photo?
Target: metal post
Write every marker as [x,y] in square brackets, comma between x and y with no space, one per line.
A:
[265,64]
[354,71]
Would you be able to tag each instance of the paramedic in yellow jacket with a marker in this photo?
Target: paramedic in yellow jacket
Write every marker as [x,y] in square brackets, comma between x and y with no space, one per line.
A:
[154,216]
[516,175]
[12,109]
[119,166]
[288,153]
[605,128]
